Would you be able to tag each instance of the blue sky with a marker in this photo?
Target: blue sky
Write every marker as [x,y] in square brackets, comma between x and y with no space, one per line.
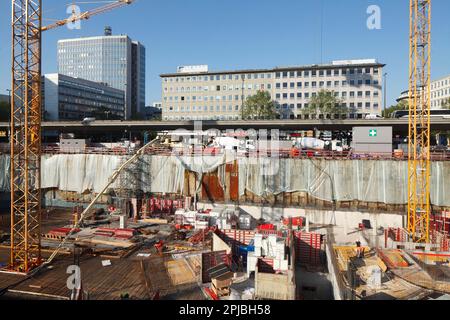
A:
[237,34]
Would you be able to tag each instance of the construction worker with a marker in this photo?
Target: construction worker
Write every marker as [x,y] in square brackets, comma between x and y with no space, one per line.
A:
[359,250]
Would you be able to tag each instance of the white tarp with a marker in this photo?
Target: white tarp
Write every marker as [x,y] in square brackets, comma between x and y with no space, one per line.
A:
[157,174]
[340,180]
[79,172]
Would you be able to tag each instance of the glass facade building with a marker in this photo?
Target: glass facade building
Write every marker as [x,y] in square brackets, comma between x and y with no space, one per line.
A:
[116,61]
[68,98]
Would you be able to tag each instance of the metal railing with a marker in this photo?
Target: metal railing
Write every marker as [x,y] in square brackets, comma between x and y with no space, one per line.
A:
[281,153]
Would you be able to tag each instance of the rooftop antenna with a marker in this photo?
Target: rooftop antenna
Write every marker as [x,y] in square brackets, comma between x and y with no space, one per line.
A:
[108,31]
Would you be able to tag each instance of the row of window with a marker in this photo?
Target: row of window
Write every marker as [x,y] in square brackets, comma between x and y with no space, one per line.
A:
[219,88]
[278,75]
[328,84]
[207,98]
[344,95]
[438,103]
[220,77]
[441,93]
[195,118]
[230,108]
[440,84]
[352,105]
[278,96]
[285,85]
[225,108]
[326,73]
[235,117]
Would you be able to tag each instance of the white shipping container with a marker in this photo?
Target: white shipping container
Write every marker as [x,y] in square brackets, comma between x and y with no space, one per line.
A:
[258,252]
[258,240]
[284,265]
[277,264]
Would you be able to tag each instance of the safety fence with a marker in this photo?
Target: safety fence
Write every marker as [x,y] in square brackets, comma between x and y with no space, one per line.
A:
[293,153]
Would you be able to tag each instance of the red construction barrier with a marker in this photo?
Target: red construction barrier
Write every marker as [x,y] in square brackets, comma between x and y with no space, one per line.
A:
[62,232]
[116,233]
[266,226]
[307,247]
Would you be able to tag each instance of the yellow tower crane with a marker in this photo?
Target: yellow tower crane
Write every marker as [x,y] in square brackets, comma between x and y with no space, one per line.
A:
[26,116]
[419,207]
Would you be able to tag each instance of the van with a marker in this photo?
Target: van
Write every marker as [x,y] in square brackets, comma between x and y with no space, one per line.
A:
[87,121]
[373,117]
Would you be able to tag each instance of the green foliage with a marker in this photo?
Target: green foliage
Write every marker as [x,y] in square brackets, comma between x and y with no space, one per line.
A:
[4,111]
[260,107]
[402,105]
[446,104]
[325,103]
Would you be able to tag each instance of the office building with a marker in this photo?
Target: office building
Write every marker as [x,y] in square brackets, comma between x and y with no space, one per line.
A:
[68,98]
[440,92]
[114,60]
[195,93]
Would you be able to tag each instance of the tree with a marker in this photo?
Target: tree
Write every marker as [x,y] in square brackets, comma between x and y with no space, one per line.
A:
[260,106]
[5,111]
[325,103]
[446,104]
[402,105]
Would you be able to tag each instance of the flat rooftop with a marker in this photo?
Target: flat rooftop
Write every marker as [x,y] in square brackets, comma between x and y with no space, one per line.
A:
[332,65]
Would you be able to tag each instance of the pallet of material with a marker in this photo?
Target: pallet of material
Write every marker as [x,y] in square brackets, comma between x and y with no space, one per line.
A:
[220,291]
[393,258]
[59,233]
[154,221]
[112,243]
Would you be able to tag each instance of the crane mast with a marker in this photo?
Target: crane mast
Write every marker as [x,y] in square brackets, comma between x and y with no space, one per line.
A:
[25,134]
[25,126]
[419,207]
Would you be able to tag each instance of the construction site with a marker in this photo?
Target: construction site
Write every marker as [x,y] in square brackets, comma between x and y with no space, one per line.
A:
[157,223]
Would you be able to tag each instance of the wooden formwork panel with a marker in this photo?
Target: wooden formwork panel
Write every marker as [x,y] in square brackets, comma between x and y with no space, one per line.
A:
[212,259]
[211,188]
[236,238]
[265,265]
[308,247]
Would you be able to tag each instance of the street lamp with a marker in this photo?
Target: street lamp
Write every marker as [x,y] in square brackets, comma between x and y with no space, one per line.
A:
[385,92]
[242,96]
[9,95]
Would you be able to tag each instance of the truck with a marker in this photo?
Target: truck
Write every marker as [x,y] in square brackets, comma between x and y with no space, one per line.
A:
[318,144]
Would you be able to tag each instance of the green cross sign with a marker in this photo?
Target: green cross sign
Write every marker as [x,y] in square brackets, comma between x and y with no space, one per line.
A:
[373,133]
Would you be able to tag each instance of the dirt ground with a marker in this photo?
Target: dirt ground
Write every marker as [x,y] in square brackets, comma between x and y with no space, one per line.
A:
[51,218]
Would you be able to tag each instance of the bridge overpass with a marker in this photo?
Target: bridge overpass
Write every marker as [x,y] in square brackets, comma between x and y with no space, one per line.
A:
[400,126]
